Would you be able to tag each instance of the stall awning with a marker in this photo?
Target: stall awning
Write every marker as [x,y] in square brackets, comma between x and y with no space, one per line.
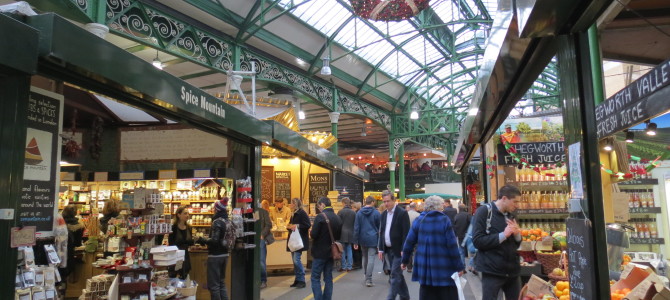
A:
[121,74]
[294,143]
[19,46]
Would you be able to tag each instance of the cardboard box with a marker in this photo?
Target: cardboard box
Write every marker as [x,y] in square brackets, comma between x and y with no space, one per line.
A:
[631,276]
[537,287]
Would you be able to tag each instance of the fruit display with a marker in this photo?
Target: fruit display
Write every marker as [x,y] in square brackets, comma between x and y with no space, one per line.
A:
[560,240]
[533,234]
[619,294]
[562,290]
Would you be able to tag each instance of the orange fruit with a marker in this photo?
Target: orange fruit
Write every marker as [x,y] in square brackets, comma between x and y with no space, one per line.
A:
[524,232]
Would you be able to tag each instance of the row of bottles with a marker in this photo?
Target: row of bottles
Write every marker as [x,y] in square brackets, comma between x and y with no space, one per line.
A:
[644,228]
[205,193]
[639,170]
[527,174]
[547,225]
[640,198]
[542,200]
[200,220]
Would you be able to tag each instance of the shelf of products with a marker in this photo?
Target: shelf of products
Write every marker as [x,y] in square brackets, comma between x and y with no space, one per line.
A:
[243,211]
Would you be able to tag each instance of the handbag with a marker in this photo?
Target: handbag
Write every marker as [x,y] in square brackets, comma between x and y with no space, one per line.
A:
[295,241]
[336,248]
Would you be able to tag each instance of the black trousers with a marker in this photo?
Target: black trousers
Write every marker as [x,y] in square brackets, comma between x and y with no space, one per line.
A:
[492,284]
[431,292]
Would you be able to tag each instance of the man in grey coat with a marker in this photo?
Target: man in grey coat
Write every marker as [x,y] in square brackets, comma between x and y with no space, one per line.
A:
[348,217]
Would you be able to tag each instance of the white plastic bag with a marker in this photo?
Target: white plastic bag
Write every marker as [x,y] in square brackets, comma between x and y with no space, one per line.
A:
[295,241]
[460,285]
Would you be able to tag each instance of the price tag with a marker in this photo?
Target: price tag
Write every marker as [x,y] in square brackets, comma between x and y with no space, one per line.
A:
[23,236]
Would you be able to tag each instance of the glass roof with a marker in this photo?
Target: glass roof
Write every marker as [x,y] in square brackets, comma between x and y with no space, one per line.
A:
[436,53]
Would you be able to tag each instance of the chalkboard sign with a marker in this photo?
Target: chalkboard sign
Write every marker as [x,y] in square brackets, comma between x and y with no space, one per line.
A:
[580,260]
[40,189]
[319,185]
[349,186]
[282,185]
[639,101]
[534,153]
[267,183]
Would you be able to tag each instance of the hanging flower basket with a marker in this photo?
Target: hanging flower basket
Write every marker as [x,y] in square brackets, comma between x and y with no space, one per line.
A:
[388,10]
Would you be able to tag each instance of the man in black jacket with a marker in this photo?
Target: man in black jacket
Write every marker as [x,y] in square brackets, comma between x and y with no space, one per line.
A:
[393,231]
[461,223]
[496,235]
[322,256]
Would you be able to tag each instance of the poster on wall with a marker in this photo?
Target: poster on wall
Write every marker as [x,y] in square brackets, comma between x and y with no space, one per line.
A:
[41,166]
[319,185]
[348,186]
[530,130]
[283,185]
[267,183]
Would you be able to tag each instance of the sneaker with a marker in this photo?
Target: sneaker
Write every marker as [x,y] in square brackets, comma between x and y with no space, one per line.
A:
[300,285]
[368,283]
[294,284]
[264,285]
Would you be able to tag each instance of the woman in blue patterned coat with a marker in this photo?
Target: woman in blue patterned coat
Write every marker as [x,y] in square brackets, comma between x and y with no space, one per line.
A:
[437,255]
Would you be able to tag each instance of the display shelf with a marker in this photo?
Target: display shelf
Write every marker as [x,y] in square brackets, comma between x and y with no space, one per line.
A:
[646,181]
[77,202]
[542,211]
[645,210]
[647,241]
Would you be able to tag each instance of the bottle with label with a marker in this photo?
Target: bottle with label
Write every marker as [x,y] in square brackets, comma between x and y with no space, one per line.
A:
[653,231]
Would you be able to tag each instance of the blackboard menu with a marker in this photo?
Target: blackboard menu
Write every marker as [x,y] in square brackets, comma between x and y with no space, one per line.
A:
[282,185]
[580,260]
[643,99]
[267,183]
[319,185]
[41,166]
[534,153]
[349,186]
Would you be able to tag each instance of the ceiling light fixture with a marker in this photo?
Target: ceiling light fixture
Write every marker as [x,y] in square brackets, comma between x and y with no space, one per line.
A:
[414,115]
[157,62]
[630,136]
[443,129]
[651,128]
[363,132]
[301,115]
[608,145]
[325,69]
[473,111]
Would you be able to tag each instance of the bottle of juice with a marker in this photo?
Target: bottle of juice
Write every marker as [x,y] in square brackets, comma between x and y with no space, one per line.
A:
[653,231]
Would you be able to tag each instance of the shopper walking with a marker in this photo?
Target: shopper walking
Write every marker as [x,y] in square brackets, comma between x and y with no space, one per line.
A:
[496,236]
[366,236]
[356,253]
[393,231]
[324,223]
[449,210]
[266,239]
[217,252]
[413,214]
[461,224]
[348,217]
[181,236]
[437,256]
[299,221]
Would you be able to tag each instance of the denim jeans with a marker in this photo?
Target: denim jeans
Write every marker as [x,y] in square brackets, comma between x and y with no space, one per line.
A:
[462,250]
[398,284]
[216,273]
[264,254]
[369,255]
[347,256]
[324,266]
[297,266]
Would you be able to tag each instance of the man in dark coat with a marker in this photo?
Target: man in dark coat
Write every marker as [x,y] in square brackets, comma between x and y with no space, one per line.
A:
[450,211]
[496,241]
[322,256]
[348,217]
[393,231]
[461,223]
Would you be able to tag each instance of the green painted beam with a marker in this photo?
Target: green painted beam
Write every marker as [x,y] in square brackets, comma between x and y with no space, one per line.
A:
[199,74]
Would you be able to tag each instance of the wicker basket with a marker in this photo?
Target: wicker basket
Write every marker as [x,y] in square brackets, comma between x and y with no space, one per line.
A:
[549,261]
[553,278]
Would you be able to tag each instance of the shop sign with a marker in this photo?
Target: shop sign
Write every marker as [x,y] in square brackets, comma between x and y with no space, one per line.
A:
[580,259]
[41,166]
[533,153]
[319,185]
[282,185]
[191,99]
[632,104]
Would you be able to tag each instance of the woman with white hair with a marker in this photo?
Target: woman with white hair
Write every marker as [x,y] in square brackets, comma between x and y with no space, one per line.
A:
[437,255]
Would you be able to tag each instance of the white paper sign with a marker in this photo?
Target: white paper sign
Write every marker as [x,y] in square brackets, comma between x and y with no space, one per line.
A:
[575,164]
